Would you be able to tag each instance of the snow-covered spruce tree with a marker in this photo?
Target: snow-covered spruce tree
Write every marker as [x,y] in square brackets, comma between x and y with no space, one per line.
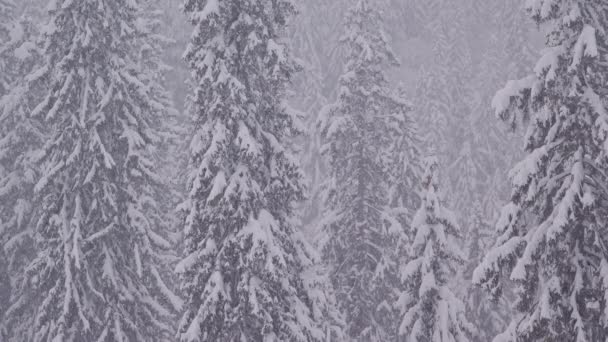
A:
[490,317]
[443,89]
[404,162]
[244,261]
[552,235]
[405,172]
[360,131]
[97,239]
[322,295]
[431,104]
[20,138]
[314,39]
[430,310]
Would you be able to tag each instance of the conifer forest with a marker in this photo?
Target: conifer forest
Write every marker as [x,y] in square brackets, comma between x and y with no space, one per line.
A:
[303,170]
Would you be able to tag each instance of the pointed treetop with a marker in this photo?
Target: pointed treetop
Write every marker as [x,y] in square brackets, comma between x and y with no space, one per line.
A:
[370,45]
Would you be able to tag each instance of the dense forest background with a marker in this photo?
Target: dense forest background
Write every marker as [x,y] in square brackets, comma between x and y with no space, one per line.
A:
[453,56]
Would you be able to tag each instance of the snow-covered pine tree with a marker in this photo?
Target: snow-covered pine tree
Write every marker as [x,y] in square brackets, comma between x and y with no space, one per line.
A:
[430,310]
[243,266]
[485,151]
[431,102]
[322,295]
[20,138]
[442,89]
[315,42]
[552,235]
[404,163]
[98,232]
[404,178]
[360,132]
[481,152]
[490,317]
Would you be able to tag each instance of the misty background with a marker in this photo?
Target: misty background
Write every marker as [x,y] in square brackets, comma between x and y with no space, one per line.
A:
[454,55]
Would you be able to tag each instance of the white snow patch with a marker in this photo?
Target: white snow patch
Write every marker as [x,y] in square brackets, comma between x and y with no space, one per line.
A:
[502,100]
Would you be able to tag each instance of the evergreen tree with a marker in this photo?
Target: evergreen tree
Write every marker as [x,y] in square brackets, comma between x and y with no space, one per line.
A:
[443,90]
[404,163]
[98,234]
[430,310]
[455,88]
[315,37]
[404,179]
[485,149]
[244,261]
[490,317]
[431,102]
[551,236]
[322,294]
[361,133]
[20,140]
